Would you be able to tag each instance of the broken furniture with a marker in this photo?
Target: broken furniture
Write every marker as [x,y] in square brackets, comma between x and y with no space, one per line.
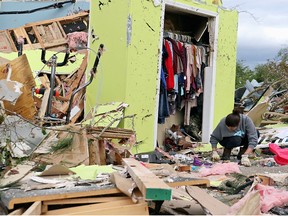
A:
[97,200]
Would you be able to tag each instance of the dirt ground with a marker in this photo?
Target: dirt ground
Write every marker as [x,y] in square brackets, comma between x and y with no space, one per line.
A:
[249,171]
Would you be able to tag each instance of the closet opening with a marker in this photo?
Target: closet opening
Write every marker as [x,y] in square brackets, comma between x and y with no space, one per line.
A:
[185,108]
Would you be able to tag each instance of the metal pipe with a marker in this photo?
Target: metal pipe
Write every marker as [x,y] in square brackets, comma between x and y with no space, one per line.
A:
[52,83]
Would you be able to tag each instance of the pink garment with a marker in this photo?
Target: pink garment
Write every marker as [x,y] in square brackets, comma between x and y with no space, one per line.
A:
[271,197]
[189,70]
[220,169]
[281,155]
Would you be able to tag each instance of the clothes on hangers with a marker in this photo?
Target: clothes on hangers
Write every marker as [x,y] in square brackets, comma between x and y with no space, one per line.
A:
[185,63]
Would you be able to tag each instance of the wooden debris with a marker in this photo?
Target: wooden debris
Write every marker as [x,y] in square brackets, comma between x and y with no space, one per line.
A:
[77,153]
[214,206]
[149,184]
[23,74]
[47,34]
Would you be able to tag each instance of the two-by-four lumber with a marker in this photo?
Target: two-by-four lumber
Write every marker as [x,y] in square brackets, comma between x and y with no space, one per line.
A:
[148,183]
[205,182]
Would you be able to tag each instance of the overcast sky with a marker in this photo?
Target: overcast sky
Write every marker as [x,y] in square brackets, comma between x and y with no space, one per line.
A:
[262,29]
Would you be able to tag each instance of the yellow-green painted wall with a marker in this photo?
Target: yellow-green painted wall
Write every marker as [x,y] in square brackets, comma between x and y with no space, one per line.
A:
[226,64]
[128,70]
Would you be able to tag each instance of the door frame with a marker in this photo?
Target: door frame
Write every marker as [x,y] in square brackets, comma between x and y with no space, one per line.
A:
[209,81]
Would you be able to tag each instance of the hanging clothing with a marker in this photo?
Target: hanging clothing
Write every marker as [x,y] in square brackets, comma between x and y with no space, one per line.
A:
[163,108]
[169,66]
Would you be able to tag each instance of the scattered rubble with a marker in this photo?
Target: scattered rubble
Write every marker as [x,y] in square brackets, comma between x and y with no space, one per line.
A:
[55,160]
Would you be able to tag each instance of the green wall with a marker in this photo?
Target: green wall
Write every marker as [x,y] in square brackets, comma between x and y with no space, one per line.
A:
[128,70]
[226,64]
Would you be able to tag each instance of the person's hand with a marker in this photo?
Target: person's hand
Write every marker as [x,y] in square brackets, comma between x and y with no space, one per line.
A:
[245,160]
[215,156]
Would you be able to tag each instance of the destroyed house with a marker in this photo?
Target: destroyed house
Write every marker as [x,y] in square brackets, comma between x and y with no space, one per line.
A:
[134,33]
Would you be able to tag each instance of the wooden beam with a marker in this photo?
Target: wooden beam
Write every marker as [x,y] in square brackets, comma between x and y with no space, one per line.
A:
[34,209]
[205,182]
[45,99]
[149,184]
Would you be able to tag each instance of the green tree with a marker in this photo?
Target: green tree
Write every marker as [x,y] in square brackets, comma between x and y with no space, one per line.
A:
[243,73]
[275,70]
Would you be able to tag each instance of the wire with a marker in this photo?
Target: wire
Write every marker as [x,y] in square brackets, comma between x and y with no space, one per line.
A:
[52,6]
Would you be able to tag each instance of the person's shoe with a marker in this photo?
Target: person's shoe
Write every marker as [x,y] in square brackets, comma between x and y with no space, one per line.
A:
[226,154]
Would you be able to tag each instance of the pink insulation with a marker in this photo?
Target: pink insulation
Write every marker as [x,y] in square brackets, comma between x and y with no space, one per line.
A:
[77,40]
[271,197]
[220,169]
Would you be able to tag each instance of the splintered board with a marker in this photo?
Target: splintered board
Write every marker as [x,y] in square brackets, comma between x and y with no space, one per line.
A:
[149,184]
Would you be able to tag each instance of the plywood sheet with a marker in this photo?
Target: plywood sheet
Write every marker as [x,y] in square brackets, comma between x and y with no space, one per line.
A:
[21,72]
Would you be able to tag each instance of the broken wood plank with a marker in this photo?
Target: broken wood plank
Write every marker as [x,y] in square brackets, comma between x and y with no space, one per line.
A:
[44,103]
[149,184]
[77,76]
[214,206]
[34,209]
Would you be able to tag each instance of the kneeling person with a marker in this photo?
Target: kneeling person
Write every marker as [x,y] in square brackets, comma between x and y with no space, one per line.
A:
[232,131]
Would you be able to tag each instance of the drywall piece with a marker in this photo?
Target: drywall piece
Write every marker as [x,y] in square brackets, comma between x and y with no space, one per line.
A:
[149,184]
[16,173]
